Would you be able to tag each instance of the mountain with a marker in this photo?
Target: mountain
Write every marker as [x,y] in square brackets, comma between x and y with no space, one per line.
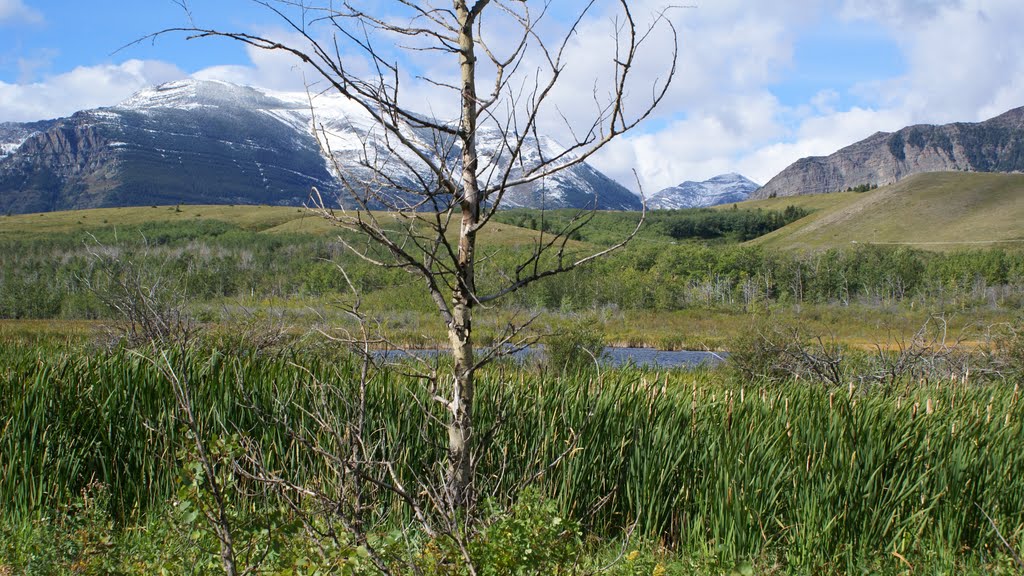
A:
[724,189]
[995,145]
[206,142]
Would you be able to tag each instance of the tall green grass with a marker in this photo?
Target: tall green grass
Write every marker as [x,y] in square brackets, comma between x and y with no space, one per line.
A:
[818,477]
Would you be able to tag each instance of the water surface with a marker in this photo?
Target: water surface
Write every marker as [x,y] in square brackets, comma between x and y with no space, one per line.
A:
[615,356]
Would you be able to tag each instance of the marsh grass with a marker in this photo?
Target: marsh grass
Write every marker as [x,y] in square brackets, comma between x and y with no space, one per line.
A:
[822,477]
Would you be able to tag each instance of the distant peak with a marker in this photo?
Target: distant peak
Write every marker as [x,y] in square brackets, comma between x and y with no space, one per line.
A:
[729,177]
[732,176]
[190,92]
[724,188]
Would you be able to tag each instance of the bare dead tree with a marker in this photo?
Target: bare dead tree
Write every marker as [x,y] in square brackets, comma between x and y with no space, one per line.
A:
[149,305]
[931,353]
[428,176]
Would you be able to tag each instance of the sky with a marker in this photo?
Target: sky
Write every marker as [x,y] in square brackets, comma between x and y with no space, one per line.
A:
[758,84]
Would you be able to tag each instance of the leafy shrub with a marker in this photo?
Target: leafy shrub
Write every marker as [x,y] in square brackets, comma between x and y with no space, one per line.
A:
[532,538]
[576,348]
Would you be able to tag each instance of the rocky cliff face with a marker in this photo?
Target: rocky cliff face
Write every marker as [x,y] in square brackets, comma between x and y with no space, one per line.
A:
[69,163]
[995,145]
[200,142]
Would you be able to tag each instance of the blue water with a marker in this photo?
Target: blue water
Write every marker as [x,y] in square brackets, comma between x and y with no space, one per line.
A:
[663,358]
[615,356]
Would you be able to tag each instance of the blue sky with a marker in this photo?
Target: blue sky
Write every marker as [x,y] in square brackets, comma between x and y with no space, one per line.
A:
[760,84]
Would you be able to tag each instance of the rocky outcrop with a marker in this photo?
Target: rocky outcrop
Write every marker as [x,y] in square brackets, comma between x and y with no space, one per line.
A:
[69,163]
[995,145]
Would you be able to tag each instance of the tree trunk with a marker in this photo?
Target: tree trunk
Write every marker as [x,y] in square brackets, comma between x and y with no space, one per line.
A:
[460,426]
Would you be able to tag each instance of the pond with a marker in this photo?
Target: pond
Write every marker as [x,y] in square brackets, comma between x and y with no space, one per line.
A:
[615,356]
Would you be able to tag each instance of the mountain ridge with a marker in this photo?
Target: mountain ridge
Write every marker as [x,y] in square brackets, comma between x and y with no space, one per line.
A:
[993,145]
[212,142]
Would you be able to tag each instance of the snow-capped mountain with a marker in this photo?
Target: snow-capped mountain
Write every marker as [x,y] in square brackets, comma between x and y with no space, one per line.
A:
[206,142]
[723,189]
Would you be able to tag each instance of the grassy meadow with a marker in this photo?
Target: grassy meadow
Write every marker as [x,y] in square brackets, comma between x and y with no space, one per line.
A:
[712,471]
[868,420]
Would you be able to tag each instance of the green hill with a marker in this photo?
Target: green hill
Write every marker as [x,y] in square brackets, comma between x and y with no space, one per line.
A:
[935,211]
[261,219]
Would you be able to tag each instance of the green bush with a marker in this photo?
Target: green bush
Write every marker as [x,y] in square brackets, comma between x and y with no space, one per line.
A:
[577,347]
[531,538]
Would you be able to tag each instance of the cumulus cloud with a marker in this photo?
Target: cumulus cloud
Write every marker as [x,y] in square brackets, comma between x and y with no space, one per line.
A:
[964,62]
[81,88]
[274,70]
[15,11]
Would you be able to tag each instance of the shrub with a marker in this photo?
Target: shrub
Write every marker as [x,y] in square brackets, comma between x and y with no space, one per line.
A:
[577,347]
[774,350]
[532,538]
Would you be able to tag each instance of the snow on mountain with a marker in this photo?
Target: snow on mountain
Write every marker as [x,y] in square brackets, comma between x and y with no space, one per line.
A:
[723,189]
[13,135]
[214,142]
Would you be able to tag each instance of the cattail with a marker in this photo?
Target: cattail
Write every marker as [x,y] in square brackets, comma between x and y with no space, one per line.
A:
[928,409]
[728,413]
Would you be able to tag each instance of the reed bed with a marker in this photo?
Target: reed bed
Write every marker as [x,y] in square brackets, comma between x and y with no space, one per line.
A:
[811,475]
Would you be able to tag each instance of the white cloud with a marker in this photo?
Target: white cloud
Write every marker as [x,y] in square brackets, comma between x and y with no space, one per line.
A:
[16,11]
[964,62]
[897,13]
[964,58]
[81,88]
[274,70]
[703,145]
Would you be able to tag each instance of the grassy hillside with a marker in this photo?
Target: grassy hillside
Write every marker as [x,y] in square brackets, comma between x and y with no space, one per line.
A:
[937,211]
[254,218]
[262,219]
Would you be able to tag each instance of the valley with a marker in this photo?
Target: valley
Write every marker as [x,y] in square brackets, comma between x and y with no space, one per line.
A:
[193,348]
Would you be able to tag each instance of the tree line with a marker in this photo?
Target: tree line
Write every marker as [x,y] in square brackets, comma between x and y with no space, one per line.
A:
[216,262]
